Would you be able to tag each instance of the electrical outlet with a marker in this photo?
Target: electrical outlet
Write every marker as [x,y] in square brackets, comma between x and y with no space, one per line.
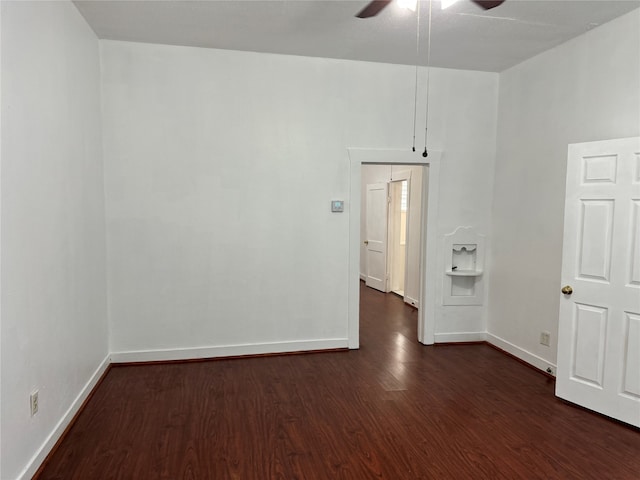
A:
[545,338]
[33,400]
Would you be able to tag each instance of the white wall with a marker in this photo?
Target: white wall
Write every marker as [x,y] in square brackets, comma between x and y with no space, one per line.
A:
[466,186]
[584,90]
[383,174]
[220,167]
[54,323]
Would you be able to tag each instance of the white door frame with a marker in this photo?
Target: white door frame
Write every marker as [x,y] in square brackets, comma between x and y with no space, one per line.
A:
[428,242]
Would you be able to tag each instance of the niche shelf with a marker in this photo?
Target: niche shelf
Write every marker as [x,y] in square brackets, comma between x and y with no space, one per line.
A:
[464,273]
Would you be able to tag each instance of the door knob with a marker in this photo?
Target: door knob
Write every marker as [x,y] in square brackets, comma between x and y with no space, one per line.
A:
[567,290]
[366,242]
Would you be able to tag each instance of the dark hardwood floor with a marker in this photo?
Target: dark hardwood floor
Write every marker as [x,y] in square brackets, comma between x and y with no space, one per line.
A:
[394,409]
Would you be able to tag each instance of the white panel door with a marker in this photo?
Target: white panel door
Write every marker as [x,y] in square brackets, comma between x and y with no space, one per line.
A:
[376,240]
[599,331]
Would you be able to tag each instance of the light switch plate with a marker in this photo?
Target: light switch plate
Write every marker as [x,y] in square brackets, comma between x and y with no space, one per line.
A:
[337,205]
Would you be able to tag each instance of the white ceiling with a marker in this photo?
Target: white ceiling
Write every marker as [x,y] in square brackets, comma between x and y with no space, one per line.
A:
[463,36]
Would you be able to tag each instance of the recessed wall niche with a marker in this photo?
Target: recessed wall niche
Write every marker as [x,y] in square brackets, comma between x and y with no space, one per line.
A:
[464,253]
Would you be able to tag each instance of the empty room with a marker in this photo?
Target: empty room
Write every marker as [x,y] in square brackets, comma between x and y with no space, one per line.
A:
[302,239]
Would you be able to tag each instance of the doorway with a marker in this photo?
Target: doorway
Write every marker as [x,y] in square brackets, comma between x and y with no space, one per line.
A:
[427,229]
[390,229]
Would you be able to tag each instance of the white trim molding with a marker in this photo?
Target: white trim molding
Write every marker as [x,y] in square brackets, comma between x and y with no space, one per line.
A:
[460,337]
[412,301]
[428,241]
[44,450]
[524,355]
[193,353]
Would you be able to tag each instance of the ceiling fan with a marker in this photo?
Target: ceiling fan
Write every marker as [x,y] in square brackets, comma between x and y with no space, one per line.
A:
[376,6]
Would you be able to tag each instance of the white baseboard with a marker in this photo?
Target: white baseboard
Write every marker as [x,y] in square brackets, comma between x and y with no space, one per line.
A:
[412,301]
[460,337]
[363,277]
[227,350]
[35,462]
[524,355]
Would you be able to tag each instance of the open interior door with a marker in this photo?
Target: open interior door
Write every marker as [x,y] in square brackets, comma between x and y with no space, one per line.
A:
[376,239]
[599,329]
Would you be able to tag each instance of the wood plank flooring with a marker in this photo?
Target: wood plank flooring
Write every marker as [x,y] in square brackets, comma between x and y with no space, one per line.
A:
[394,410]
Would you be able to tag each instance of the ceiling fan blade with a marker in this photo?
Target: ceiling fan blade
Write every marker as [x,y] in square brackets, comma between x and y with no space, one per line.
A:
[488,3]
[373,8]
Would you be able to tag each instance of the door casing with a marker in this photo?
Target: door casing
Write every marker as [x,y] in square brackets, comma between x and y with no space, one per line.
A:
[428,237]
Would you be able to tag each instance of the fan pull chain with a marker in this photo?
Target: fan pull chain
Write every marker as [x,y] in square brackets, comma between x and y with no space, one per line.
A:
[415,95]
[426,120]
